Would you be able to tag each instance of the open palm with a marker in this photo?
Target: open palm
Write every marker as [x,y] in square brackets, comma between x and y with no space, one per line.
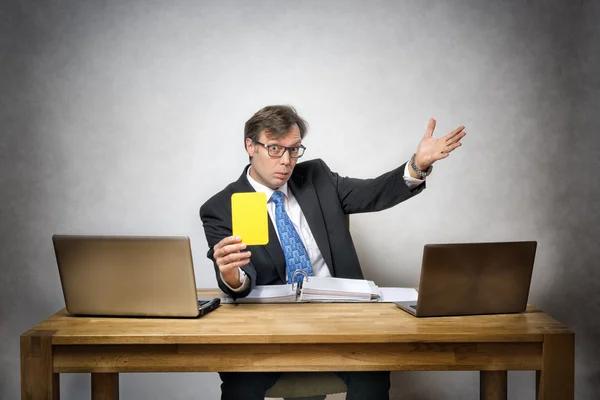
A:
[432,149]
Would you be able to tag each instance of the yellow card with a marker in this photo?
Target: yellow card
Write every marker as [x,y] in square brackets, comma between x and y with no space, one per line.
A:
[249,218]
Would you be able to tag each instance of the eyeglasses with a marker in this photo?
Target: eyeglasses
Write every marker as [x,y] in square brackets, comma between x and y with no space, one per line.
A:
[277,151]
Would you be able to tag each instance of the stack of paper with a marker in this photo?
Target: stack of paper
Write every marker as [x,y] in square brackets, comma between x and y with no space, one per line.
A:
[327,289]
[267,294]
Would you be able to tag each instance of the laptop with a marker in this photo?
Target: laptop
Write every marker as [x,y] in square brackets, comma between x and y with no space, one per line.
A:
[128,276]
[473,279]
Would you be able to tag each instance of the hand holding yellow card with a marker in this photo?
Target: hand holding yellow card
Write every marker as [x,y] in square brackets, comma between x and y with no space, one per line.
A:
[249,218]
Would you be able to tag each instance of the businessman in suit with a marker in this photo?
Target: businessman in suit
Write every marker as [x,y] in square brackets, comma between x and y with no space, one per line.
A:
[307,206]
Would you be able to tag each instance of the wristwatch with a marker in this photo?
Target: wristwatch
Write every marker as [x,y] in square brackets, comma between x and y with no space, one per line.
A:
[422,174]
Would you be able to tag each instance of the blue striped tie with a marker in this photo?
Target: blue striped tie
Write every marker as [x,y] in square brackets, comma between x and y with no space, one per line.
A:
[296,256]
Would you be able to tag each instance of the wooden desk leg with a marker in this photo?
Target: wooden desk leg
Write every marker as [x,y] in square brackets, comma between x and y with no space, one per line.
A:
[493,385]
[556,380]
[105,386]
[38,382]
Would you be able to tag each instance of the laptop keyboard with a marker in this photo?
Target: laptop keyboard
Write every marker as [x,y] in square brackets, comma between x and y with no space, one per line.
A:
[413,306]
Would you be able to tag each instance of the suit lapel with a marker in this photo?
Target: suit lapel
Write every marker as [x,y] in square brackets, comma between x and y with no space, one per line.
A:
[305,193]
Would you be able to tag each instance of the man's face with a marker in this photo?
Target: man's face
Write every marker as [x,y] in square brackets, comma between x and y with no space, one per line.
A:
[271,171]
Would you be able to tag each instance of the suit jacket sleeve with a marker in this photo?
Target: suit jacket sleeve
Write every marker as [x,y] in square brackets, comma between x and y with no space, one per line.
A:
[216,220]
[369,195]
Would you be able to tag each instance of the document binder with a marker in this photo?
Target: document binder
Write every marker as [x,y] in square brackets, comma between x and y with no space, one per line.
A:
[324,290]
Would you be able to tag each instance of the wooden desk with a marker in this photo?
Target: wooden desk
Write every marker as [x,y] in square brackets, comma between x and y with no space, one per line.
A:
[299,337]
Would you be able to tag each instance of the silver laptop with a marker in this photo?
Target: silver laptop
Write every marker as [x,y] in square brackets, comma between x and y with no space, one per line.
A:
[473,279]
[128,276]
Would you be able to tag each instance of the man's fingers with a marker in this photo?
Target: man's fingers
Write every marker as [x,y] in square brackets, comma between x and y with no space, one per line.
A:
[455,138]
[430,128]
[234,257]
[230,248]
[222,248]
[449,149]
[227,268]
[452,147]
[226,241]
[455,132]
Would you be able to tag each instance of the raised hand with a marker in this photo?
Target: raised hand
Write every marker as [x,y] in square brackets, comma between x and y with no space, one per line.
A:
[229,257]
[431,149]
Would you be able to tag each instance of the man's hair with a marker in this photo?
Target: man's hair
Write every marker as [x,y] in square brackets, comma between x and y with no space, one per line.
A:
[276,121]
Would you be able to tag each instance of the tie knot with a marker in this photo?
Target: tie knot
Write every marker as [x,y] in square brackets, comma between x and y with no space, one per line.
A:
[277,197]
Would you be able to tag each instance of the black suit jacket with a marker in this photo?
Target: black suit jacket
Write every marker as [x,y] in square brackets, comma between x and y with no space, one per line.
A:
[325,199]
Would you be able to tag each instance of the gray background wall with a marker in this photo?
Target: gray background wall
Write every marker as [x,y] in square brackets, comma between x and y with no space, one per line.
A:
[125,116]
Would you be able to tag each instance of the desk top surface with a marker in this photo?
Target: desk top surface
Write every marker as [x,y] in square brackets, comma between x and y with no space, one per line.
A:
[301,322]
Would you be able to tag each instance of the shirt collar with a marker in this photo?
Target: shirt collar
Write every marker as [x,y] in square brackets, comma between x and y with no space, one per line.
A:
[259,187]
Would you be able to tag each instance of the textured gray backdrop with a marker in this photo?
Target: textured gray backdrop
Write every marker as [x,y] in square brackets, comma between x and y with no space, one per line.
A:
[125,116]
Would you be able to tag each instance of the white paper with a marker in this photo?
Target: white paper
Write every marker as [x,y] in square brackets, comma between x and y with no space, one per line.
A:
[337,289]
[391,294]
[267,294]
[344,285]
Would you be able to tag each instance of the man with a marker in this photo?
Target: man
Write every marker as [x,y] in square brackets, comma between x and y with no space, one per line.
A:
[308,203]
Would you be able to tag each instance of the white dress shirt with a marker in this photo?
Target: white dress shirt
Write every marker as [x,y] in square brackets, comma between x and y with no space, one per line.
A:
[293,210]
